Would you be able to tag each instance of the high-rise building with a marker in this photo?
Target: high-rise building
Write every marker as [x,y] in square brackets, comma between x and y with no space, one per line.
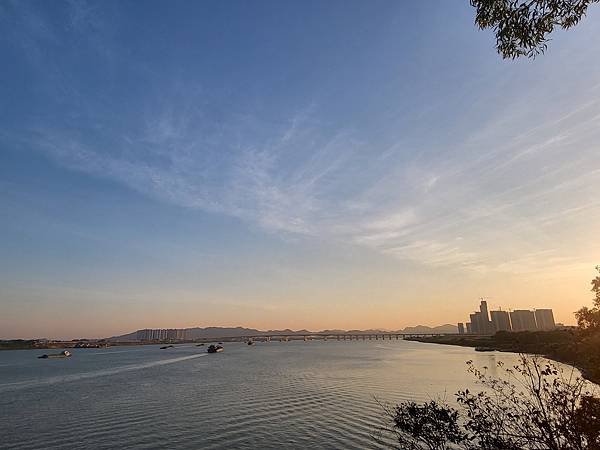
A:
[461,328]
[500,320]
[475,322]
[523,320]
[144,335]
[486,325]
[172,334]
[484,310]
[468,326]
[480,320]
[544,319]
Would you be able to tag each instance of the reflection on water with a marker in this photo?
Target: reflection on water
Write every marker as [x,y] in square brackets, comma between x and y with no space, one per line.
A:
[270,395]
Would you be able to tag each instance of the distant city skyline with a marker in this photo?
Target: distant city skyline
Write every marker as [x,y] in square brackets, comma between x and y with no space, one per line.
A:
[485,321]
[349,165]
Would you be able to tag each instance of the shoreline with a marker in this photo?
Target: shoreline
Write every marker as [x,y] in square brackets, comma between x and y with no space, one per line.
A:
[564,350]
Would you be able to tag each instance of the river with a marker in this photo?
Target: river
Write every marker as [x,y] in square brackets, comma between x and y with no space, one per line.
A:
[273,395]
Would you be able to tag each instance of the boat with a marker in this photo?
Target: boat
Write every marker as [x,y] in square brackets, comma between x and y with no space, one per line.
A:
[250,342]
[167,346]
[63,354]
[200,345]
[484,349]
[214,349]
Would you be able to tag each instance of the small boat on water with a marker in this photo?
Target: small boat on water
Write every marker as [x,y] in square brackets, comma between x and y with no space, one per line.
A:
[167,346]
[484,349]
[250,342]
[200,345]
[214,349]
[63,354]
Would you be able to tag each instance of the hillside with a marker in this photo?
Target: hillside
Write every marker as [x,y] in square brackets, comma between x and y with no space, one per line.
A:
[220,332]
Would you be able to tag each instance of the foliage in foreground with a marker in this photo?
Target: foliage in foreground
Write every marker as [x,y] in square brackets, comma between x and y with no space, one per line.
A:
[522,27]
[532,405]
[588,319]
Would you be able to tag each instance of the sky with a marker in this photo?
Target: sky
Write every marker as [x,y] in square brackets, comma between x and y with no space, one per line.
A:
[279,164]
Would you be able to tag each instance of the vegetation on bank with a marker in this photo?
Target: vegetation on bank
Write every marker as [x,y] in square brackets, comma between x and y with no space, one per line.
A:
[28,344]
[572,347]
[19,344]
[533,405]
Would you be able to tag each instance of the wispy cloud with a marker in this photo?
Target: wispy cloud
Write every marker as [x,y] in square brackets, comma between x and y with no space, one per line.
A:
[505,178]
[296,179]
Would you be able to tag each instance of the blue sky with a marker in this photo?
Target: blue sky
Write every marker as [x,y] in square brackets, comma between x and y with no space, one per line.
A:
[288,164]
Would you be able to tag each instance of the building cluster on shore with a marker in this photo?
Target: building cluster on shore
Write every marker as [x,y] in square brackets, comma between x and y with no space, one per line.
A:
[162,334]
[482,322]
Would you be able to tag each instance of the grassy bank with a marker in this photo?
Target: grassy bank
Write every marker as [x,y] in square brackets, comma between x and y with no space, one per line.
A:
[573,347]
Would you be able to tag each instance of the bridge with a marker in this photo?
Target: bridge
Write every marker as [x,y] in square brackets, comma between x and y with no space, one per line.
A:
[322,336]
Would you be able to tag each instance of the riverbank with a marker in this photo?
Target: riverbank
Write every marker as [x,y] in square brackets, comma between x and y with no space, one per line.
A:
[566,346]
[29,344]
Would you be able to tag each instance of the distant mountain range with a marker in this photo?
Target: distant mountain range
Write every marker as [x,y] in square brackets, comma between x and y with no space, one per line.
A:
[221,332]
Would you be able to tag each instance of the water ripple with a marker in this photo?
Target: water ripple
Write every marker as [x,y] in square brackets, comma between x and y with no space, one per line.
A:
[276,396]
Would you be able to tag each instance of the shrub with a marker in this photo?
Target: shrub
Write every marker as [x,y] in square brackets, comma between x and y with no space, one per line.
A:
[533,405]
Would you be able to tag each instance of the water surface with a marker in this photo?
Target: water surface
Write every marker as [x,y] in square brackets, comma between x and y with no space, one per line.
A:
[267,396]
